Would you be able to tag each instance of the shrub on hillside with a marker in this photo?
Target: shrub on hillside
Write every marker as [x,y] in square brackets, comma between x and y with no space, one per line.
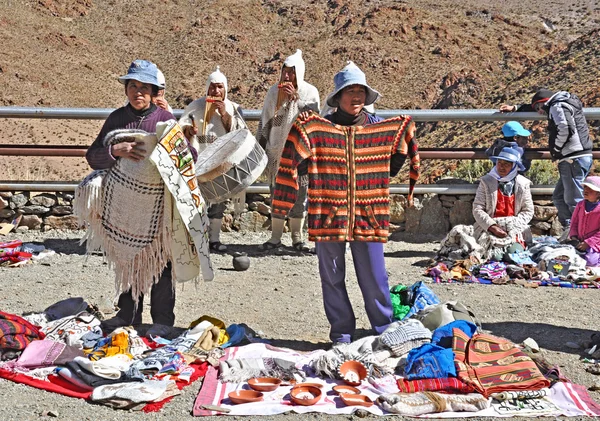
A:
[541,172]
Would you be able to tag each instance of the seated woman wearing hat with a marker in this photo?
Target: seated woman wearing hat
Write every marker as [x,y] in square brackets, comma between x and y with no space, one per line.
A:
[141,86]
[585,222]
[503,206]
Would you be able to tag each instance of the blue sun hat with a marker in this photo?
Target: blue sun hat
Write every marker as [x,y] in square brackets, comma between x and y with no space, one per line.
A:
[143,71]
[510,155]
[514,128]
[351,75]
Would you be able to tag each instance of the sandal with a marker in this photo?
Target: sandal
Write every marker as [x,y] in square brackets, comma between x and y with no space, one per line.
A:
[218,247]
[302,247]
[266,246]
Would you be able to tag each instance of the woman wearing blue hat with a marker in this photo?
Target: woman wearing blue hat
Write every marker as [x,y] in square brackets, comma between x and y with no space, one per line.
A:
[141,87]
[514,136]
[503,206]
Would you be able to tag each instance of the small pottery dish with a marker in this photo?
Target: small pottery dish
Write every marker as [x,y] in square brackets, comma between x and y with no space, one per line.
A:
[245,396]
[305,395]
[318,385]
[356,400]
[353,372]
[264,384]
[342,388]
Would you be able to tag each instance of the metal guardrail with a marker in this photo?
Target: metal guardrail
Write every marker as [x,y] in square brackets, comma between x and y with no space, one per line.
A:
[262,188]
[254,115]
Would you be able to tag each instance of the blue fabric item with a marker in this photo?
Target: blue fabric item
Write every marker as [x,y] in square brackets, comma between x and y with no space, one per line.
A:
[421,297]
[351,75]
[522,258]
[430,362]
[143,71]
[236,333]
[67,307]
[514,128]
[442,336]
[590,206]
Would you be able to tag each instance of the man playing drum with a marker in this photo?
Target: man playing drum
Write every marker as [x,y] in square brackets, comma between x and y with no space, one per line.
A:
[284,101]
[203,121]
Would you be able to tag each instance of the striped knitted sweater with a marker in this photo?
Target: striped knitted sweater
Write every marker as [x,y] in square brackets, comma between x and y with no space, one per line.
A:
[349,175]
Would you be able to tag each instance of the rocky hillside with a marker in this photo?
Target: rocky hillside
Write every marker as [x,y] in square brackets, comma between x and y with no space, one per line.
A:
[418,54]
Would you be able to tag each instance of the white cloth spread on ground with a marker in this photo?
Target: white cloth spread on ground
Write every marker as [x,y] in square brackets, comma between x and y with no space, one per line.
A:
[139,226]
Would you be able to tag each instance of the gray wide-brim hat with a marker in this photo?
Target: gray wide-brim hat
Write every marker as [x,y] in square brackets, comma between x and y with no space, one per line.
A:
[348,76]
[143,71]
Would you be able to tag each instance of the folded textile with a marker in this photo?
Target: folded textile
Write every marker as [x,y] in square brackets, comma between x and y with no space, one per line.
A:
[68,375]
[402,336]
[16,333]
[147,391]
[243,369]
[536,407]
[361,350]
[67,307]
[444,385]
[46,353]
[492,364]
[93,380]
[107,367]
[420,403]
[521,394]
[70,329]
[430,362]
[117,343]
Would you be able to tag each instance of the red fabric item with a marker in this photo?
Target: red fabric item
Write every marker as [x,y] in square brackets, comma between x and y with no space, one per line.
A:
[200,371]
[505,205]
[55,384]
[446,385]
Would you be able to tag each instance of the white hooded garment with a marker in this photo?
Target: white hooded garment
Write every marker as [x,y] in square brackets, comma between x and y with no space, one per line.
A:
[275,125]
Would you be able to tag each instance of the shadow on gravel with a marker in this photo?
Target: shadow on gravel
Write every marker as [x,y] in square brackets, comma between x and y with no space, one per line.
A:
[299,345]
[252,251]
[409,237]
[410,253]
[65,246]
[547,336]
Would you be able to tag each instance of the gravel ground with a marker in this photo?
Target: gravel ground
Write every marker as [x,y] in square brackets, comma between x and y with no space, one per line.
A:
[280,296]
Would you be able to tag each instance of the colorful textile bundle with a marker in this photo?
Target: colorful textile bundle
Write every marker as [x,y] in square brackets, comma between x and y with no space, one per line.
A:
[16,333]
[492,365]
[444,385]
[420,403]
[11,254]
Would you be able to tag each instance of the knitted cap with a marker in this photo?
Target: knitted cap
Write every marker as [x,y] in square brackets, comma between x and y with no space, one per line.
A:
[297,62]
[351,75]
[541,95]
[143,71]
[217,77]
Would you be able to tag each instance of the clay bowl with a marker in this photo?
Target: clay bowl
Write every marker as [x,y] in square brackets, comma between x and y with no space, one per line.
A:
[245,396]
[356,400]
[342,388]
[305,395]
[317,385]
[264,384]
[352,372]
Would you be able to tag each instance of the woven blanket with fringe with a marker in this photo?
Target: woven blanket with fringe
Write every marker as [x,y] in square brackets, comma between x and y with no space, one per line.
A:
[144,214]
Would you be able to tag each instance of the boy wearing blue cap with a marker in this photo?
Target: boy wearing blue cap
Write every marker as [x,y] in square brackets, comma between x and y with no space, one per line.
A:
[514,136]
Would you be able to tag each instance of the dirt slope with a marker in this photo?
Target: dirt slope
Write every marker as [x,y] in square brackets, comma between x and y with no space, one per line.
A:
[417,54]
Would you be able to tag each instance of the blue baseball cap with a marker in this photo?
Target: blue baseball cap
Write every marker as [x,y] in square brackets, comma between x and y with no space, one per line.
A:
[143,71]
[510,155]
[514,128]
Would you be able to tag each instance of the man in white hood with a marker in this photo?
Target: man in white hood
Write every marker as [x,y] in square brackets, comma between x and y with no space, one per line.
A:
[203,121]
[284,101]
